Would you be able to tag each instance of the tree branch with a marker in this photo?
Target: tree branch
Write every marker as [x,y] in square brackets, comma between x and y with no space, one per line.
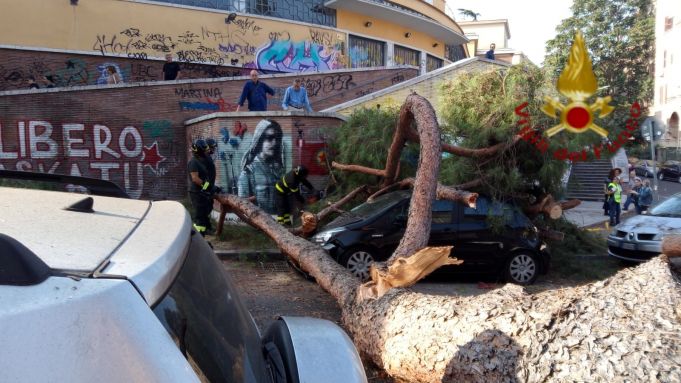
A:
[359,169]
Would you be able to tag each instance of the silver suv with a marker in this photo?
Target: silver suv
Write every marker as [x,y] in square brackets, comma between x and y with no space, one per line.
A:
[106,289]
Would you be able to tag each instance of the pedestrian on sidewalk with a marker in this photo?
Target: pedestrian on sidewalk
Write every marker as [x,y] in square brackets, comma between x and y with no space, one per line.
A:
[632,193]
[645,197]
[614,201]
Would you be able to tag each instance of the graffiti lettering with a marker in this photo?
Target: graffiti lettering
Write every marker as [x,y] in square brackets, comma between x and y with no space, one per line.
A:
[198,93]
[238,49]
[219,105]
[131,32]
[301,56]
[246,24]
[337,82]
[321,37]
[110,45]
[188,38]
[274,36]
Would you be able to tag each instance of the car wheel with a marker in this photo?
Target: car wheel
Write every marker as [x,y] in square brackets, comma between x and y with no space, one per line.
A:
[358,260]
[522,269]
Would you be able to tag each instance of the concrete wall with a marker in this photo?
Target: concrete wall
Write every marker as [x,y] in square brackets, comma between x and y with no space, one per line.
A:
[427,86]
[234,133]
[134,134]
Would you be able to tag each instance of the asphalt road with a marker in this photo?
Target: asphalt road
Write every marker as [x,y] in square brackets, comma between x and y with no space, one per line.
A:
[665,189]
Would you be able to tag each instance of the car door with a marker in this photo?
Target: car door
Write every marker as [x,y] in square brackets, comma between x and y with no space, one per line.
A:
[387,231]
[477,245]
[443,229]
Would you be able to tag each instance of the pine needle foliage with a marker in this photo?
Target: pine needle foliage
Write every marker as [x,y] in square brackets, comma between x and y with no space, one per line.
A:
[478,111]
[364,140]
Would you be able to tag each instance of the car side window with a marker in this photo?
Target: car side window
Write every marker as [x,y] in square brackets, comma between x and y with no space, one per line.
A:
[483,208]
[442,211]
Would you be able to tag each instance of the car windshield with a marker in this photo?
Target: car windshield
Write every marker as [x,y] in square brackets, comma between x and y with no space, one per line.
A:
[368,209]
[669,208]
[210,325]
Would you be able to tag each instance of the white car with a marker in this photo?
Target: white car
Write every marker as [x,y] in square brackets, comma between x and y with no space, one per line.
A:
[104,289]
[639,238]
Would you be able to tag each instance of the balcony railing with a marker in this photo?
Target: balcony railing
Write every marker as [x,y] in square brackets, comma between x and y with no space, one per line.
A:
[309,11]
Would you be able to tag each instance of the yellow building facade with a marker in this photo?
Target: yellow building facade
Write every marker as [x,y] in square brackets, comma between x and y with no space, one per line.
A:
[311,35]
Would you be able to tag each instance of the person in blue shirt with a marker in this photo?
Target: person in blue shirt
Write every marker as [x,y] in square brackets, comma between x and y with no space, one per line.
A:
[296,97]
[256,93]
[490,52]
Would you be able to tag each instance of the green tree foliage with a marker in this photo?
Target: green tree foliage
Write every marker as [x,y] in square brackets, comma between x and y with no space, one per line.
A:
[364,140]
[620,37]
[478,111]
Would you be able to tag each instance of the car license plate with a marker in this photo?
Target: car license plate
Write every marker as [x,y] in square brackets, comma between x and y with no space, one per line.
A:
[629,246]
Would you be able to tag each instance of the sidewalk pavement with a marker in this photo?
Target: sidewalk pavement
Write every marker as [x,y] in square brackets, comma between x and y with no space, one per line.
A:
[589,214]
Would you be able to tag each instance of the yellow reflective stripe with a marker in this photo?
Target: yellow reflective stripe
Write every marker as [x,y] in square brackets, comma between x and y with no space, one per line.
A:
[200,229]
[276,186]
[283,179]
[293,190]
[205,185]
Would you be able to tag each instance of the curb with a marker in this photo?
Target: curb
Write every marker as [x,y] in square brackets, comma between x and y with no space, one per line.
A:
[606,219]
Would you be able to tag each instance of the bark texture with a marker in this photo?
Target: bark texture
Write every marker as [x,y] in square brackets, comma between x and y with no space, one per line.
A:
[626,328]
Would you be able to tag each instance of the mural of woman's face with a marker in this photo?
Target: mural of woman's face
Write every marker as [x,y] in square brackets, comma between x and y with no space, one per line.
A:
[270,143]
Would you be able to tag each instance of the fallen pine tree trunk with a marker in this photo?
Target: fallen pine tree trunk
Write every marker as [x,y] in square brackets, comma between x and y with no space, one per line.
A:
[627,327]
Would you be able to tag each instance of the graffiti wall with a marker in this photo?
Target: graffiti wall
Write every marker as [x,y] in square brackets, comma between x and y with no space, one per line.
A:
[241,42]
[19,69]
[132,156]
[253,153]
[135,135]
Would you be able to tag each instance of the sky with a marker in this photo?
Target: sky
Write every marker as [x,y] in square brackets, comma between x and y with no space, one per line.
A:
[531,22]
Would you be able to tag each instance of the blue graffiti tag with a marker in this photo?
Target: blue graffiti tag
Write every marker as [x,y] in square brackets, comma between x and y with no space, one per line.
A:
[289,56]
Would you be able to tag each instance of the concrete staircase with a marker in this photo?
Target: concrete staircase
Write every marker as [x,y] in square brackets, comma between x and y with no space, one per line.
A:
[587,180]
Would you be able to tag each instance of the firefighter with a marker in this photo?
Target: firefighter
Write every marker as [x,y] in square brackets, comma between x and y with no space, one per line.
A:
[202,185]
[289,185]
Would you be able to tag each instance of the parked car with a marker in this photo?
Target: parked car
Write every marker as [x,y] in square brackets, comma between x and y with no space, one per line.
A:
[371,232]
[103,289]
[671,170]
[644,168]
[639,238]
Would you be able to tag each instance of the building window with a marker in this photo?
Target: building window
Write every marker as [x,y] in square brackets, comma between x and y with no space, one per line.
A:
[668,23]
[406,56]
[309,11]
[433,63]
[454,53]
[366,53]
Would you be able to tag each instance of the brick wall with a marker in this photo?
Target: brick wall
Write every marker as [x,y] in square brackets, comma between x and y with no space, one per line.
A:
[68,69]
[134,134]
[235,134]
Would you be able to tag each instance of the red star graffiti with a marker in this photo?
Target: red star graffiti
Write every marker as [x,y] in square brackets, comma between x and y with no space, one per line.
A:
[151,156]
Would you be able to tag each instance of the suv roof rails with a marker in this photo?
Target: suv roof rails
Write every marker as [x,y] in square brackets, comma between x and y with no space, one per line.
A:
[95,186]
